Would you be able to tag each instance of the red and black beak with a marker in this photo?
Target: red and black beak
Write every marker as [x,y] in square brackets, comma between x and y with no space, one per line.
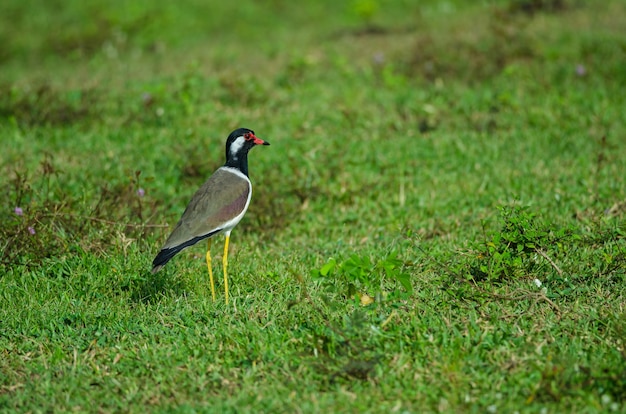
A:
[249,136]
[259,141]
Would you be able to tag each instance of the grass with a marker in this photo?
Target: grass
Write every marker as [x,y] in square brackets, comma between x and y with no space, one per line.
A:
[438,225]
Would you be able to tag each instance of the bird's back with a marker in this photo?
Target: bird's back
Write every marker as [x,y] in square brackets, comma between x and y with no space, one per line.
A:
[218,205]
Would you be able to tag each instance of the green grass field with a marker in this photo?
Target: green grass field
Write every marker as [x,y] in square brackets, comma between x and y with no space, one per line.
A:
[462,164]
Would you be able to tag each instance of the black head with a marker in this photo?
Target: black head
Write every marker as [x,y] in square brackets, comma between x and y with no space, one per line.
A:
[239,142]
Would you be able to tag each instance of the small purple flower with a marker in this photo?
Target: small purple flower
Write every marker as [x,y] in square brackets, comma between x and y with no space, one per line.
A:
[147,98]
[581,70]
[141,192]
[31,230]
[18,211]
[379,58]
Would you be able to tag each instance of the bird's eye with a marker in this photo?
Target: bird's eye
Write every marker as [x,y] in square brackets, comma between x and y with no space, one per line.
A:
[247,136]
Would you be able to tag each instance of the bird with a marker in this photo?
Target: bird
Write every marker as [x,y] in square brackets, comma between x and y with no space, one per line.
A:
[217,207]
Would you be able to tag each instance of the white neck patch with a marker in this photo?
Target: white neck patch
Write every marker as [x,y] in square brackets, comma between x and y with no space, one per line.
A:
[236,146]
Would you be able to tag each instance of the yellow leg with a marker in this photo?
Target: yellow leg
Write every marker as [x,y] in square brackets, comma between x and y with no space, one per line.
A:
[225,264]
[208,263]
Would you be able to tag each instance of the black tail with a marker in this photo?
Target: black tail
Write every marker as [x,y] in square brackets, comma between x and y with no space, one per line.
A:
[165,255]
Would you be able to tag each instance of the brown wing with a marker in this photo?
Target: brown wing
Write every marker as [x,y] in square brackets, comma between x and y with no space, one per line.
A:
[220,199]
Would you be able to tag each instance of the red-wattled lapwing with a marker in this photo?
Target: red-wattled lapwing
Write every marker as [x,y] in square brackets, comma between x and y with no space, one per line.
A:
[217,206]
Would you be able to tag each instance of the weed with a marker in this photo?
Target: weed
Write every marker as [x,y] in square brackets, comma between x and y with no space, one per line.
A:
[513,250]
[358,275]
[47,222]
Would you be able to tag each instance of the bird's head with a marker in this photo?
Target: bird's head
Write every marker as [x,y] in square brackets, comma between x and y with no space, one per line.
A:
[240,141]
